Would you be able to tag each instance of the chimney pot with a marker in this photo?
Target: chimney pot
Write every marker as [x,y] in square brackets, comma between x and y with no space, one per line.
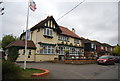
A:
[73,30]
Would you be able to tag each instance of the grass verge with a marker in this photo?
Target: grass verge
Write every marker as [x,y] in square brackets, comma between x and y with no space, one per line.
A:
[26,74]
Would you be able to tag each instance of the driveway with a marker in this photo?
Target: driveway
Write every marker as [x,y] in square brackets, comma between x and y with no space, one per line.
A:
[68,71]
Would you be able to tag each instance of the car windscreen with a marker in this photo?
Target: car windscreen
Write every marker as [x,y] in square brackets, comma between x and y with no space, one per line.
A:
[103,57]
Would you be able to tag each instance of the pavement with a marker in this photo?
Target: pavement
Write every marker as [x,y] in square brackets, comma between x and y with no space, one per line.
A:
[68,71]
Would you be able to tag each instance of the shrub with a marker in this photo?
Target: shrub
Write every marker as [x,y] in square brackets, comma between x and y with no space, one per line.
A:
[10,70]
[13,54]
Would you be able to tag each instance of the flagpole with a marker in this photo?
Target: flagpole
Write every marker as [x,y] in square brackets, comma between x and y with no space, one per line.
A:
[26,36]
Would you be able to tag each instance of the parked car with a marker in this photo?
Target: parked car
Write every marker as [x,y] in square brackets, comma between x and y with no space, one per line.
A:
[106,59]
[117,59]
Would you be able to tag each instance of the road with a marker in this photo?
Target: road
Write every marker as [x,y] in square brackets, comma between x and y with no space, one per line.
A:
[68,71]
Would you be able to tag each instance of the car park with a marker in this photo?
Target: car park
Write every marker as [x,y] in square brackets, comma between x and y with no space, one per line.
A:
[106,59]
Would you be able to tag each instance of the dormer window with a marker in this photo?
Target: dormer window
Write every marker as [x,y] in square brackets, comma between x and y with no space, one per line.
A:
[48,32]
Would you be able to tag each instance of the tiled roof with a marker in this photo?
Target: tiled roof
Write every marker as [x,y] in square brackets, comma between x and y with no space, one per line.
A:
[66,31]
[43,21]
[21,43]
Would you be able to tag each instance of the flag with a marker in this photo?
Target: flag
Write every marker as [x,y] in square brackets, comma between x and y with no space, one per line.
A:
[32,5]
[28,35]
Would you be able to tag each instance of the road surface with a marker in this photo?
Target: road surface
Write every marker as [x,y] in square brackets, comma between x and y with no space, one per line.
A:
[68,71]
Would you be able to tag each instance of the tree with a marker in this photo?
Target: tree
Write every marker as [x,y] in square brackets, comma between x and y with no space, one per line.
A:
[13,54]
[7,39]
[12,51]
[116,50]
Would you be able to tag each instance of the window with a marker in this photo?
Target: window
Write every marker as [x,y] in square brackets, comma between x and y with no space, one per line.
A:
[92,45]
[106,48]
[95,47]
[47,50]
[45,24]
[23,52]
[72,50]
[49,23]
[111,49]
[48,31]
[19,51]
[64,38]
[102,47]
[61,52]
[76,41]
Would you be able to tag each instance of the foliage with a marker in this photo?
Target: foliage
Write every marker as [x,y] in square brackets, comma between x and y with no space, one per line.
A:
[10,70]
[116,50]
[13,54]
[7,39]
[66,51]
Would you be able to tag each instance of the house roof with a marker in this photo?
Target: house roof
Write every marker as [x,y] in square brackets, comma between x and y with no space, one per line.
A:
[96,42]
[40,24]
[44,21]
[60,29]
[107,45]
[86,40]
[21,43]
[66,31]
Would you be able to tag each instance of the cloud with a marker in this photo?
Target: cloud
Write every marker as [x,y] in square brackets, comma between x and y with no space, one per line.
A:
[93,20]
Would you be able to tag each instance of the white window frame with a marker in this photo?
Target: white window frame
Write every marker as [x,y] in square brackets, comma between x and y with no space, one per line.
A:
[48,32]
[47,50]
[75,52]
[63,38]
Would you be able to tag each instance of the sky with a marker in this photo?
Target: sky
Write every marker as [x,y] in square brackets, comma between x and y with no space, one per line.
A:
[93,19]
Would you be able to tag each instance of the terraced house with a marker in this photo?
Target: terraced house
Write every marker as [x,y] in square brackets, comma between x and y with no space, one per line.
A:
[94,48]
[49,41]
